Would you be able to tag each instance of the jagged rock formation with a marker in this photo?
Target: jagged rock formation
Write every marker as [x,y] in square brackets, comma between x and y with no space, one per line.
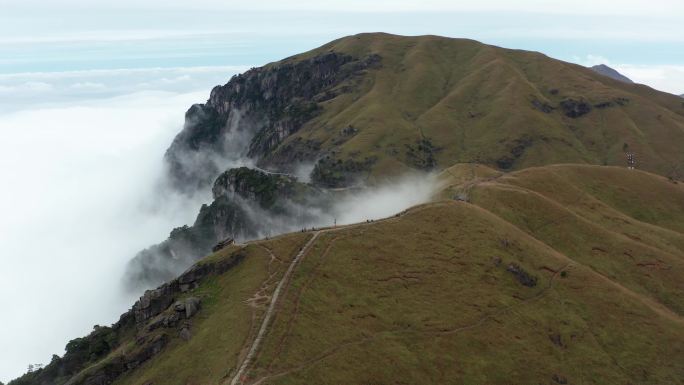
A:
[159,263]
[255,111]
[370,106]
[611,73]
[153,319]
[247,204]
[246,119]
[254,185]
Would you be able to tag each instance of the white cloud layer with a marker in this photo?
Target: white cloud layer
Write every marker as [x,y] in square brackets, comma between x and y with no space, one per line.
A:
[81,196]
[32,89]
[80,150]
[78,200]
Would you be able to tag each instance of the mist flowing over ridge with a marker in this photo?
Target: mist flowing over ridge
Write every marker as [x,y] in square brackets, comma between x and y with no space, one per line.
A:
[328,111]
[364,128]
[335,105]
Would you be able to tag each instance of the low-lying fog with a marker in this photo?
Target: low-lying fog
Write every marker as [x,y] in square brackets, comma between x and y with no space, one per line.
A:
[78,199]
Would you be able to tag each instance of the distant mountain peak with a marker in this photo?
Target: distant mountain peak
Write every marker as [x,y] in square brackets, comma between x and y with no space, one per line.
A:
[610,72]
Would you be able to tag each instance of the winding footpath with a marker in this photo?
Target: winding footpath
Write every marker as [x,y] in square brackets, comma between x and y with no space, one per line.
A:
[269,312]
[238,378]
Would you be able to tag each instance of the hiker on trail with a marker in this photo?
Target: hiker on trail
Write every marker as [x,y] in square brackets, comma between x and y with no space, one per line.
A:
[631,161]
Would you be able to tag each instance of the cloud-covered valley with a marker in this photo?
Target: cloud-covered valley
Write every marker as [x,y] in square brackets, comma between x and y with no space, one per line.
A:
[80,195]
[84,191]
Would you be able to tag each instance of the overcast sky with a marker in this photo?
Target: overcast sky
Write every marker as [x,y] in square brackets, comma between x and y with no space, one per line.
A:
[92,92]
[644,39]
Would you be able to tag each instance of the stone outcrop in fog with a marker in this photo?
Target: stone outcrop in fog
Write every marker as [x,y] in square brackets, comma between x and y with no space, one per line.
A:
[367,108]
[256,111]
[247,204]
[157,317]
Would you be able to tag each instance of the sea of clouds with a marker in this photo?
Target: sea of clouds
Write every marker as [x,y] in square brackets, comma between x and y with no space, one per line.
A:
[84,189]
[80,165]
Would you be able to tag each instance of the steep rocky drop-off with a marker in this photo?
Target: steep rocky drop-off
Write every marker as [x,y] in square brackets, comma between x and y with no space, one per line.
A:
[554,274]
[252,114]
[366,108]
[153,322]
[247,204]
[372,106]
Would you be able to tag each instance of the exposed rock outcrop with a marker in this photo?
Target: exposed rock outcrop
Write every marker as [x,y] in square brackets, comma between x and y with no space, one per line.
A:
[154,319]
[575,108]
[221,219]
[256,111]
[248,203]
[254,185]
[153,302]
[332,172]
[612,103]
[521,275]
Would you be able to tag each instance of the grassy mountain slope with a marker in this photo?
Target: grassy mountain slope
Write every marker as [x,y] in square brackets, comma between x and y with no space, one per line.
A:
[396,311]
[556,274]
[232,305]
[437,101]
[559,274]
[625,225]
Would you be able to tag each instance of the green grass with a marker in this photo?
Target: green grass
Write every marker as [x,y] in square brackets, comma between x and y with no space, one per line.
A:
[426,297]
[623,224]
[379,306]
[474,103]
[224,323]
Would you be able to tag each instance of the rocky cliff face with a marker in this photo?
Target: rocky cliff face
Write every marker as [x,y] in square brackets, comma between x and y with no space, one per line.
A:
[153,319]
[247,204]
[185,245]
[256,111]
[242,122]
[371,106]
[254,185]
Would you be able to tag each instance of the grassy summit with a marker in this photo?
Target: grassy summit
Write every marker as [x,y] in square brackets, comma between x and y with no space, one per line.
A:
[435,101]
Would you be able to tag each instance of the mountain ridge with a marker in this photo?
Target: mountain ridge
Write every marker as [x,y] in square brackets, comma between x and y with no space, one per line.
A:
[477,103]
[535,262]
[365,109]
[485,268]
[610,72]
